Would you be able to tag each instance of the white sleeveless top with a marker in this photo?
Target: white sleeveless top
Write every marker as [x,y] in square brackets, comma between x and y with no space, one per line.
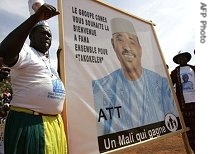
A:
[35,85]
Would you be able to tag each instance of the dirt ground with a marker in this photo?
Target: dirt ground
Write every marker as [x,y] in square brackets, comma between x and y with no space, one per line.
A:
[170,145]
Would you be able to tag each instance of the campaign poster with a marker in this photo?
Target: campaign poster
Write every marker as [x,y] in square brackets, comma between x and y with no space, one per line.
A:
[117,88]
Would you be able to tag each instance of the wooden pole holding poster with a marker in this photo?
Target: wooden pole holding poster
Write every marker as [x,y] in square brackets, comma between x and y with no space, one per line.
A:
[87,27]
[61,61]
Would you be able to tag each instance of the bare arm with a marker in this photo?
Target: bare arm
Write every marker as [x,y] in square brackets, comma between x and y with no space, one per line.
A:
[11,46]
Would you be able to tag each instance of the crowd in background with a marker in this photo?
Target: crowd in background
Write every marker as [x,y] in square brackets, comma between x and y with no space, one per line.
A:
[5,91]
[5,98]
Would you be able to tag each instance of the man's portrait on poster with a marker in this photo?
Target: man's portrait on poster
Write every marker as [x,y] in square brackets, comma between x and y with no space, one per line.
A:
[187,85]
[131,96]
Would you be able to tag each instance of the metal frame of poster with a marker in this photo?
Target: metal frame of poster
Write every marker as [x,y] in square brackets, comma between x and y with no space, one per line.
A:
[105,112]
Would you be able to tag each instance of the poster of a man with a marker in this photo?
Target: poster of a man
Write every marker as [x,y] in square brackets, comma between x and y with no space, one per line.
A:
[187,85]
[135,96]
[113,91]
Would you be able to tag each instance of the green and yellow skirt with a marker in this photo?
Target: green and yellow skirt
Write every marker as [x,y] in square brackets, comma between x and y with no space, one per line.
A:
[26,133]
